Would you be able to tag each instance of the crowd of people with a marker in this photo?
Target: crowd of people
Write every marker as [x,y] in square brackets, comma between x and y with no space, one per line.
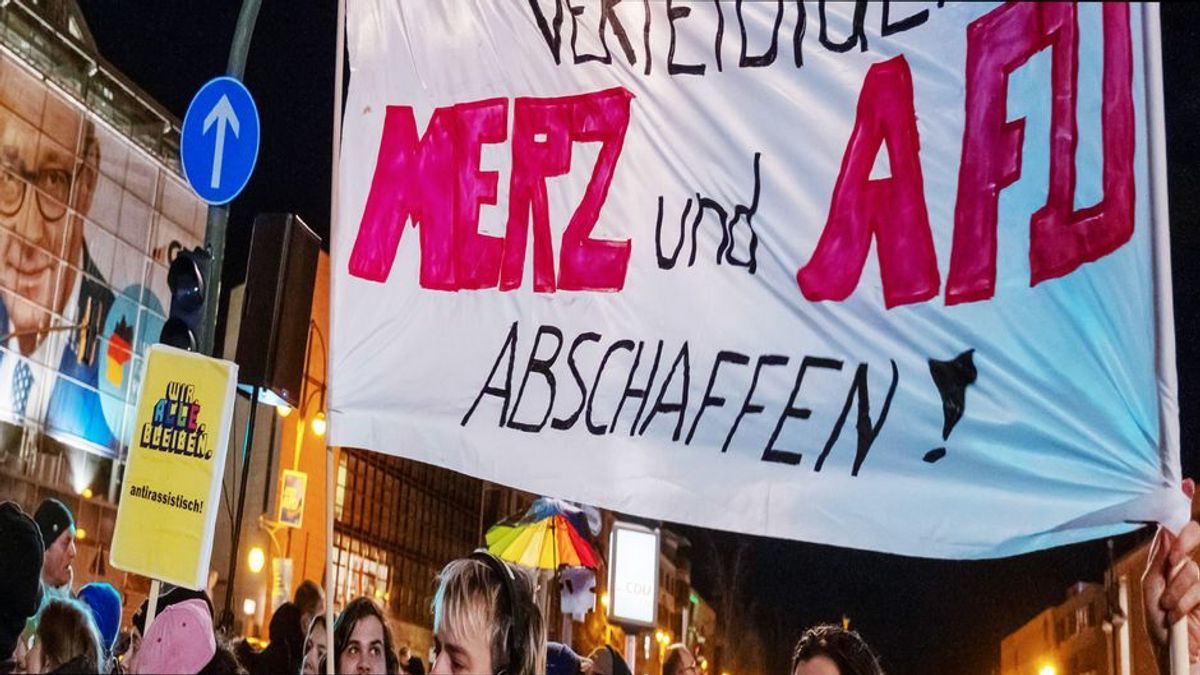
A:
[485,620]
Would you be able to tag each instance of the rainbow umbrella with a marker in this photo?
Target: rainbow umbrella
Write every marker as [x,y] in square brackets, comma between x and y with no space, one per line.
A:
[546,537]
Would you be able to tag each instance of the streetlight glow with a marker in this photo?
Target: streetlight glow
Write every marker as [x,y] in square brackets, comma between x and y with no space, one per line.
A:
[1048,669]
[249,606]
[318,424]
[256,560]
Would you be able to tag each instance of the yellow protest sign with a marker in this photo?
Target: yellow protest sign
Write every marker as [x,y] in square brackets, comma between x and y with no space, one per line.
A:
[171,490]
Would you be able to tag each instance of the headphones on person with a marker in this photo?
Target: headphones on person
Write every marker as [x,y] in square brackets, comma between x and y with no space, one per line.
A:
[515,644]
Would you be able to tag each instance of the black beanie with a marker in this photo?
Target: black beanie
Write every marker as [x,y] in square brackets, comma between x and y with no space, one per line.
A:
[52,518]
[21,553]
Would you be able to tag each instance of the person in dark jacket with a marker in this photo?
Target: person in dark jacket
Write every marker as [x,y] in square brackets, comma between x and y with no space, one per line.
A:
[21,585]
[289,624]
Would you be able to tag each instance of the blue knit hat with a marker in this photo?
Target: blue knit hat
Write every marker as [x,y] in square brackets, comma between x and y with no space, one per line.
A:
[105,603]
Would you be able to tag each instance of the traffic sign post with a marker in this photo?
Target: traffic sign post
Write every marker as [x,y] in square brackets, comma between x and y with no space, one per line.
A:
[219,141]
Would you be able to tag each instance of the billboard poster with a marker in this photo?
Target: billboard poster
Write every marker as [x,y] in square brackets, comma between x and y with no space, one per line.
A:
[89,222]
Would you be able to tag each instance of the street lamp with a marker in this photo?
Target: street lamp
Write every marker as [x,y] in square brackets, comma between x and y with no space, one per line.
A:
[256,560]
[317,393]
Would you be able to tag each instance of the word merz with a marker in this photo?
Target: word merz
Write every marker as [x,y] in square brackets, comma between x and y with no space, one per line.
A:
[435,180]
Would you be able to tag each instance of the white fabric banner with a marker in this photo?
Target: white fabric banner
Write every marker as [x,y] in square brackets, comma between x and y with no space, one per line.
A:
[879,276]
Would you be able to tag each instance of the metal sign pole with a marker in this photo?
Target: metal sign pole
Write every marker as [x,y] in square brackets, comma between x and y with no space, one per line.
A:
[330,573]
[218,216]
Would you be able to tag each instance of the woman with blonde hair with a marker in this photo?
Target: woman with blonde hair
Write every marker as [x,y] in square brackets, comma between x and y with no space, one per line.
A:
[66,641]
[485,619]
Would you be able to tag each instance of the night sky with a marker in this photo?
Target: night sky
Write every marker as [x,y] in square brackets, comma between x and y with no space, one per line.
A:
[923,616]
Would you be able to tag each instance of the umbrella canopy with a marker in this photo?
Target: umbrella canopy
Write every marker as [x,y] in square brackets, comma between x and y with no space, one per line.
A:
[548,536]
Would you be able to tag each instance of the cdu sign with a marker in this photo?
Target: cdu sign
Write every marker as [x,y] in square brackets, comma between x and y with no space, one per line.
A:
[633,575]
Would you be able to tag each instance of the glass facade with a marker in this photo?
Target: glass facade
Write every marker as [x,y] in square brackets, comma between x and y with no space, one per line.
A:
[409,519]
[92,209]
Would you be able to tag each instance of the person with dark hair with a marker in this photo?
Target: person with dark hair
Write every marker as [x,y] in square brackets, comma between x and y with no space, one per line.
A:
[316,644]
[680,661]
[485,619]
[66,640]
[285,653]
[832,650]
[57,526]
[362,642]
[310,600]
[21,553]
[606,661]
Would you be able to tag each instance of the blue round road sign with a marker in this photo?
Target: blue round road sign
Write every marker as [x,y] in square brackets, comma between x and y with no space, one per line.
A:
[219,142]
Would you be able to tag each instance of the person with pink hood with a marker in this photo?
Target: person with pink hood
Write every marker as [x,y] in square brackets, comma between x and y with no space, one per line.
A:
[180,640]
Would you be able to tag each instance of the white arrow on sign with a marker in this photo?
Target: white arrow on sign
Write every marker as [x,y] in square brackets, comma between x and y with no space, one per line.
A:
[221,114]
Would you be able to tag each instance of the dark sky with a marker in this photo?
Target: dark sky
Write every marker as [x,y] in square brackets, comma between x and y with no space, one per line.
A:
[923,616]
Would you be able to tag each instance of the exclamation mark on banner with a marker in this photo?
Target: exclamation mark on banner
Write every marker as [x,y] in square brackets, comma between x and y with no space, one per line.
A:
[952,379]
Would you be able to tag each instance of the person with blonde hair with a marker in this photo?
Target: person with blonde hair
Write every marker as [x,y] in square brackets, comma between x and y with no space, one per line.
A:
[66,641]
[485,619]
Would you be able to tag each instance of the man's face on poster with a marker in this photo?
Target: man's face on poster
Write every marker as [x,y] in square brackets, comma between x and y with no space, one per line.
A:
[42,238]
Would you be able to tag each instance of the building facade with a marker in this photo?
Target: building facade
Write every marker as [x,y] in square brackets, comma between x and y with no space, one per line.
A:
[92,208]
[1068,638]
[1100,629]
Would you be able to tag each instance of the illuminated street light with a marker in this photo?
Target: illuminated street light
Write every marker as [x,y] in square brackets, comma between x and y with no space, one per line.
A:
[249,607]
[256,560]
[284,410]
[318,424]
[1048,669]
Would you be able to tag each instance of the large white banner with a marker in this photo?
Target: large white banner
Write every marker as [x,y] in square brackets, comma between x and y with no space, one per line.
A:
[880,276]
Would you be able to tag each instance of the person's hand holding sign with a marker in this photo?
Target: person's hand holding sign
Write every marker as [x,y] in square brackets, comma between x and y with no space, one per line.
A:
[1171,589]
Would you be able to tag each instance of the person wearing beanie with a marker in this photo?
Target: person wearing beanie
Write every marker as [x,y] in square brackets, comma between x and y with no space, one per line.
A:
[57,526]
[180,640]
[20,585]
[105,604]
